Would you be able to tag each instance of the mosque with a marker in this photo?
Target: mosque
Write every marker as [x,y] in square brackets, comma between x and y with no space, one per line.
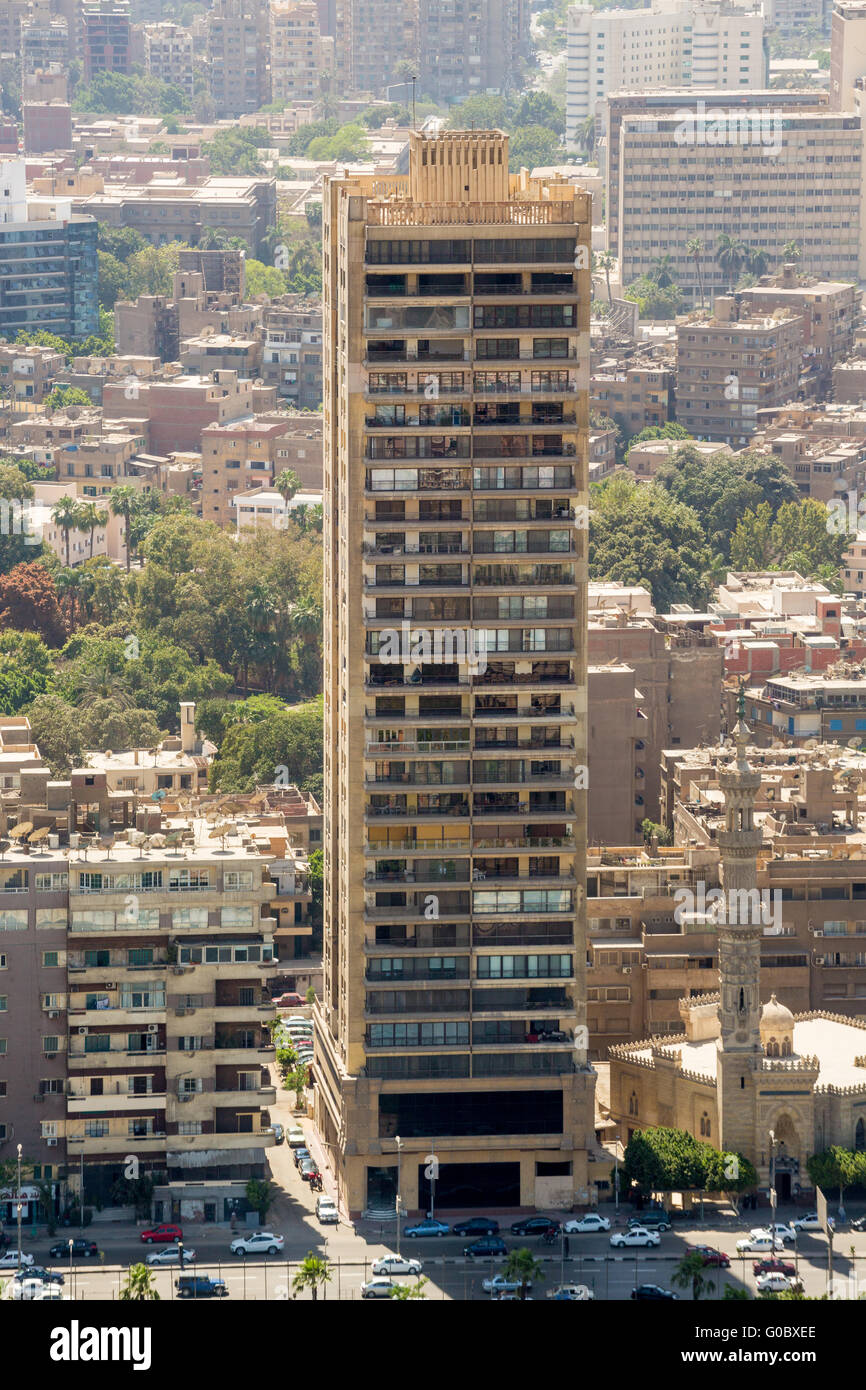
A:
[745,1076]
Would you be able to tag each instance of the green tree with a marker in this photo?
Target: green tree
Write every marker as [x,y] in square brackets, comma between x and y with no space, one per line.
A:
[65,514]
[662,272]
[90,516]
[639,535]
[312,1274]
[791,251]
[695,248]
[121,500]
[533,146]
[261,1196]
[236,151]
[689,1273]
[539,108]
[522,1267]
[655,301]
[57,732]
[606,262]
[837,1167]
[61,397]
[406,1292]
[731,255]
[752,542]
[16,492]
[140,1286]
[287,483]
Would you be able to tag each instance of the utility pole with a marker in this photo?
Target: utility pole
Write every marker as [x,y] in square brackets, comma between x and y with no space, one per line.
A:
[20,1204]
[399,1142]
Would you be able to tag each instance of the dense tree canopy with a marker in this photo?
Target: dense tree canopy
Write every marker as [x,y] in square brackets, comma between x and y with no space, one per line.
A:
[641,535]
[672,1160]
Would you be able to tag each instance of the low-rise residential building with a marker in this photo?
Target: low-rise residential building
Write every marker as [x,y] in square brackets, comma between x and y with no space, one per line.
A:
[730,366]
[175,411]
[209,352]
[250,454]
[168,55]
[169,209]
[292,356]
[830,312]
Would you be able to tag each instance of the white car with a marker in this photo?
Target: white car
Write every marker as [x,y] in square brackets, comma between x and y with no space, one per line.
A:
[584,1224]
[500,1283]
[170,1255]
[327,1212]
[9,1260]
[810,1222]
[776,1283]
[571,1293]
[759,1243]
[378,1288]
[781,1229]
[396,1264]
[35,1290]
[297,1139]
[638,1235]
[258,1243]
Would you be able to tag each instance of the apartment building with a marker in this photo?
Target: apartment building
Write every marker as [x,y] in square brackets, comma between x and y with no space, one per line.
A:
[208,352]
[746,164]
[451,849]
[370,38]
[640,393]
[830,313]
[847,52]
[43,43]
[237,56]
[174,411]
[168,55]
[821,467]
[170,209]
[296,57]
[854,567]
[48,263]
[27,374]
[47,127]
[465,50]
[106,37]
[731,365]
[292,357]
[823,705]
[672,43]
[240,455]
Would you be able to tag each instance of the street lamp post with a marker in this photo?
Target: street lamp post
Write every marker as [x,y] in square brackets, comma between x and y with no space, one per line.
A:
[20,1204]
[772,1192]
[432,1211]
[399,1142]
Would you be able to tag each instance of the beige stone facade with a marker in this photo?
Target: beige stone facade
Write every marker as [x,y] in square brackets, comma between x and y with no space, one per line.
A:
[455,820]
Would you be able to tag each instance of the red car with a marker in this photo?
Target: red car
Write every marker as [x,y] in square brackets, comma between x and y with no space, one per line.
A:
[289,1001]
[713,1257]
[774,1267]
[160,1235]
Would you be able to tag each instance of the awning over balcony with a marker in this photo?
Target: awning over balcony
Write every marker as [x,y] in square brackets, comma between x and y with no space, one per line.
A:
[206,1158]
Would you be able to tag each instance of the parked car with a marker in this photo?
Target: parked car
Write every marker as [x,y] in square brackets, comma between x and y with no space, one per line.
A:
[257,1243]
[476,1226]
[200,1286]
[646,1292]
[774,1267]
[27,1289]
[500,1283]
[427,1227]
[534,1226]
[635,1235]
[776,1283]
[584,1225]
[50,1293]
[9,1259]
[857,1225]
[300,1154]
[486,1245]
[297,1138]
[716,1258]
[279,1133]
[289,1000]
[156,1235]
[47,1276]
[759,1244]
[396,1264]
[378,1288]
[571,1293]
[298,1018]
[782,1230]
[326,1211]
[811,1222]
[171,1255]
[309,1170]
[80,1246]
[651,1220]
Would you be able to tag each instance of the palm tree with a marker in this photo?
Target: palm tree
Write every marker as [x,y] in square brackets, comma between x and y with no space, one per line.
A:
[731,255]
[65,514]
[67,582]
[756,261]
[606,262]
[121,500]
[791,251]
[139,1286]
[404,1292]
[522,1267]
[586,134]
[695,248]
[287,484]
[312,1272]
[662,271]
[689,1274]
[91,515]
